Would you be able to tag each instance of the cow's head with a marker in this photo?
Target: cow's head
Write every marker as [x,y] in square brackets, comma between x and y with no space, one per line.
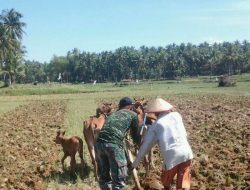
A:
[139,105]
[104,108]
[59,136]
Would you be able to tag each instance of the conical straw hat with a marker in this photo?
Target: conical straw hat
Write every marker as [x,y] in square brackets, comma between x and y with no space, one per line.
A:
[158,105]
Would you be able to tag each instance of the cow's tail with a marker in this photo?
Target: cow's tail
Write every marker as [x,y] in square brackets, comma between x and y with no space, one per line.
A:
[93,128]
[85,126]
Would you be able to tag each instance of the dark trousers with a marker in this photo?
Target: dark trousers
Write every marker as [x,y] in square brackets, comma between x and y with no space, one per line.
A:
[112,166]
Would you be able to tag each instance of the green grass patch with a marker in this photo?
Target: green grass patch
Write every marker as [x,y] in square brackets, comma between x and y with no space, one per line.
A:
[10,105]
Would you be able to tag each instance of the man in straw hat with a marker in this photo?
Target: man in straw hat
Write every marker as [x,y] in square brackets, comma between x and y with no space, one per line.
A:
[169,133]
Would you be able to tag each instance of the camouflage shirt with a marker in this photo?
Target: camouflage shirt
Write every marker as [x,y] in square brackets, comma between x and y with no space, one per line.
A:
[116,127]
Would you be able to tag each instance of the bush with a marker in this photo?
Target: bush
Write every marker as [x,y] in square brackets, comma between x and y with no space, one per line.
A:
[225,81]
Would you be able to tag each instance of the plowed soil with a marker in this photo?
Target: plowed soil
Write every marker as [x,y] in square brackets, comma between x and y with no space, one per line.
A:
[219,133]
[218,129]
[28,154]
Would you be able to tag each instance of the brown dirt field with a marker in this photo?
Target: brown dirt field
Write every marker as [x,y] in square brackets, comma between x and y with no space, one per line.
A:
[219,133]
[218,128]
[28,154]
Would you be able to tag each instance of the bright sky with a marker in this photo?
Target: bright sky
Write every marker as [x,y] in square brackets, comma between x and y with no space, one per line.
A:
[57,26]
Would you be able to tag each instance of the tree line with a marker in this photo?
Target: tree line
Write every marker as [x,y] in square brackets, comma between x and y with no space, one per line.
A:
[169,62]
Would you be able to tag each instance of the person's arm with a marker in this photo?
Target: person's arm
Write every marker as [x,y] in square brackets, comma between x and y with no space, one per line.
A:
[148,142]
[135,131]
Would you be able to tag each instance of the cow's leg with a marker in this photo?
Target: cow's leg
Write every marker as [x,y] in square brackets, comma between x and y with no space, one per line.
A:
[62,160]
[80,151]
[150,159]
[146,163]
[95,172]
[89,138]
[82,162]
[92,155]
[72,163]
[94,164]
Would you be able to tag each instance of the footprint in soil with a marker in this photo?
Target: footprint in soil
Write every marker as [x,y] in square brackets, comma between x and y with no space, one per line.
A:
[152,182]
[153,185]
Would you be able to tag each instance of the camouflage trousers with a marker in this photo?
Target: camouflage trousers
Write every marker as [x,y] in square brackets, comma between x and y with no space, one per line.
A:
[112,166]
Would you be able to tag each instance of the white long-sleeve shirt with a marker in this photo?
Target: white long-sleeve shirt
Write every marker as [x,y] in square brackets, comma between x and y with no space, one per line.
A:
[169,133]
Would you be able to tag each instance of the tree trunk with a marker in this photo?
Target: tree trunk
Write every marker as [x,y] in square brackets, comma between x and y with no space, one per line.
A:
[7,79]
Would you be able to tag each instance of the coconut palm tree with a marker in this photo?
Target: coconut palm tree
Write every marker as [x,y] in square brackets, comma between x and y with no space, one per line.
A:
[11,33]
[12,24]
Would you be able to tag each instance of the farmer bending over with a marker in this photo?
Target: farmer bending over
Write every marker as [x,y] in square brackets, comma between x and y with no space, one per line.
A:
[169,133]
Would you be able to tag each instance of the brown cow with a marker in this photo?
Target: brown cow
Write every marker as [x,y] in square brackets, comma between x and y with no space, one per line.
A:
[92,127]
[138,107]
[70,146]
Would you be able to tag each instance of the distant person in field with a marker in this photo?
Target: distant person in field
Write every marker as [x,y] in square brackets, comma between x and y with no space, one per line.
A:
[110,147]
[169,133]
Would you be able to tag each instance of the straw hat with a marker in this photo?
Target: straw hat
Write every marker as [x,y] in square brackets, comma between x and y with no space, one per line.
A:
[158,105]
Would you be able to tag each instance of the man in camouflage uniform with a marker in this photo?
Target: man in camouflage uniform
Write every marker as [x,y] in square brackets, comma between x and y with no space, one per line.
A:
[110,147]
